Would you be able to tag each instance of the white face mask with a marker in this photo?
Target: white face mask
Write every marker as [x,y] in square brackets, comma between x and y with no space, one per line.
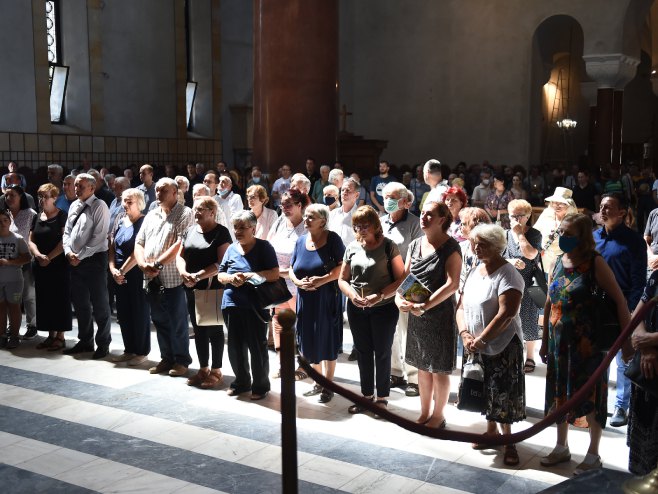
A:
[486,181]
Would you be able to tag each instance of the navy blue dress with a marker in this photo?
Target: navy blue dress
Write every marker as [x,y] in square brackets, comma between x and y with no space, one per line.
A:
[319,312]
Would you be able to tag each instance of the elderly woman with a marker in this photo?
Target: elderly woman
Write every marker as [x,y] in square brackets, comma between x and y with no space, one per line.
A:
[202,190]
[316,263]
[402,227]
[50,270]
[283,236]
[132,306]
[249,257]
[643,416]
[456,200]
[22,218]
[435,259]
[559,205]
[371,272]
[331,196]
[469,219]
[183,189]
[489,324]
[568,345]
[522,252]
[201,250]
[496,202]
[256,200]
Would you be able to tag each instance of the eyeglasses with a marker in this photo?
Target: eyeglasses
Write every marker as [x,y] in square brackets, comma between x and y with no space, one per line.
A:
[517,217]
[252,198]
[558,205]
[201,209]
[359,227]
[307,217]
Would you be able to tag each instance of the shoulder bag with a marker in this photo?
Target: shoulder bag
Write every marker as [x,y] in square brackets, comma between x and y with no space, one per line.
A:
[270,294]
[208,306]
[634,373]
[537,291]
[604,317]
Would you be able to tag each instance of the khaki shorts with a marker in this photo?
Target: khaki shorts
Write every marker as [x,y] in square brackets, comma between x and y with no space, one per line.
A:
[11,291]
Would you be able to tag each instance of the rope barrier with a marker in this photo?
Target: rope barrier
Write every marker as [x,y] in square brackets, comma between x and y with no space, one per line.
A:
[492,440]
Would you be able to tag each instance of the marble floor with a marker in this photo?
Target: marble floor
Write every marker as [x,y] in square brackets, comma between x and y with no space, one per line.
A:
[71,424]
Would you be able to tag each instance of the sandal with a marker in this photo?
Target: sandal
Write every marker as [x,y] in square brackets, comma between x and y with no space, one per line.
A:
[198,378]
[46,343]
[316,390]
[300,375]
[213,378]
[482,446]
[354,409]
[529,366]
[57,344]
[511,457]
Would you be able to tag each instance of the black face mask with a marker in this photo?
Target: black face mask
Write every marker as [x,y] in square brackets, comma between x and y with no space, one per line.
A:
[329,200]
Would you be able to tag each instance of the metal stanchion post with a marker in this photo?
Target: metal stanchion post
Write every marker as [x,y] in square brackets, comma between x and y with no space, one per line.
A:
[288,402]
[644,485]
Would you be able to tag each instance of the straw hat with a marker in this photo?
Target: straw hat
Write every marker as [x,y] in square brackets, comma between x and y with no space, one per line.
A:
[561,194]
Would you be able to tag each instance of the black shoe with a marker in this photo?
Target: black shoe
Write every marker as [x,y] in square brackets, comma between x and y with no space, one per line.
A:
[619,418]
[412,390]
[316,390]
[325,396]
[398,382]
[101,352]
[79,347]
[353,356]
[12,342]
[30,333]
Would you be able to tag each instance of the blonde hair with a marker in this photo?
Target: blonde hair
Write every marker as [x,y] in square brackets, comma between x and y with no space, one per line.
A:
[260,192]
[521,204]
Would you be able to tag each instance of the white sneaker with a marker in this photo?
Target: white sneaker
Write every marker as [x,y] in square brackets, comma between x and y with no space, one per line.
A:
[586,467]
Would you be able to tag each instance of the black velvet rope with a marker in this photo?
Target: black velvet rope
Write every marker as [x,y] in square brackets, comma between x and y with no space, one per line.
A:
[492,440]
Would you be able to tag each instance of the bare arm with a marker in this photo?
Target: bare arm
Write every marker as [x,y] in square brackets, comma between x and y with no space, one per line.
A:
[508,307]
[375,202]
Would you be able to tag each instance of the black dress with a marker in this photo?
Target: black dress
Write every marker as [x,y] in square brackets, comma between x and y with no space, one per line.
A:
[51,283]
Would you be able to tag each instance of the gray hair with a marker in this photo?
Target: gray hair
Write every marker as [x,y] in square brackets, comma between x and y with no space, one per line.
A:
[199,187]
[244,216]
[181,178]
[352,182]
[493,235]
[136,194]
[87,177]
[166,181]
[321,210]
[432,166]
[54,166]
[122,181]
[109,177]
[325,167]
[396,187]
[303,181]
[335,175]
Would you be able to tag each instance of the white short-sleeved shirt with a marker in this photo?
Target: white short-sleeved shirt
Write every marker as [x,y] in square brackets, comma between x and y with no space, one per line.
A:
[481,304]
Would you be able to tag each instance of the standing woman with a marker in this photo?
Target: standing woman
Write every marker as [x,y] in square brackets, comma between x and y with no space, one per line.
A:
[435,259]
[489,324]
[132,306]
[316,263]
[22,217]
[568,345]
[51,272]
[265,217]
[456,200]
[247,332]
[201,250]
[371,272]
[496,202]
[283,236]
[523,252]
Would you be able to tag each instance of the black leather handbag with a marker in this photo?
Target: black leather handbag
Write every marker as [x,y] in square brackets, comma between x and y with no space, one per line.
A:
[537,291]
[634,373]
[471,388]
[271,293]
[606,323]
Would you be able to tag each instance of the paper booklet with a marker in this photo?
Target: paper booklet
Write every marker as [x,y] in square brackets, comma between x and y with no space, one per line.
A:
[412,290]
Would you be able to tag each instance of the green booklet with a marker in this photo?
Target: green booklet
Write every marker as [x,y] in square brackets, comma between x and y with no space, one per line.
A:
[412,290]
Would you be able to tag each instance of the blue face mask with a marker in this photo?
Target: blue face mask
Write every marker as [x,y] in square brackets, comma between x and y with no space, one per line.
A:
[328,200]
[391,205]
[255,179]
[567,243]
[224,193]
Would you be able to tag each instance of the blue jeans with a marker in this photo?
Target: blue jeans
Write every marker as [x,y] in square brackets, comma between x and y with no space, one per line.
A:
[623,397]
[89,298]
[373,330]
[169,316]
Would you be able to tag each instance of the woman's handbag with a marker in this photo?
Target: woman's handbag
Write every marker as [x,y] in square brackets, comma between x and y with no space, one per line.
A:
[634,373]
[537,291]
[471,388]
[271,293]
[208,306]
[606,323]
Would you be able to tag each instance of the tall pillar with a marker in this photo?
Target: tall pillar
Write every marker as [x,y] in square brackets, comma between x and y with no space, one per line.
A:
[589,91]
[611,72]
[295,82]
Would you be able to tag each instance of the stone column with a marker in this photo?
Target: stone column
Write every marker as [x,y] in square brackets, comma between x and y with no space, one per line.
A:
[611,72]
[589,90]
[295,82]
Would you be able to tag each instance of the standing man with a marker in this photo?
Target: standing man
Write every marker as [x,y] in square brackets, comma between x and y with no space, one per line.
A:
[67,197]
[16,179]
[340,219]
[55,175]
[434,178]
[320,184]
[229,201]
[147,186]
[377,185]
[584,193]
[482,191]
[625,252]
[281,185]
[116,207]
[102,191]
[155,251]
[85,246]
[311,172]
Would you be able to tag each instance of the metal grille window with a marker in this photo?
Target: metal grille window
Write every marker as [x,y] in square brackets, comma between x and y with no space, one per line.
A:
[57,72]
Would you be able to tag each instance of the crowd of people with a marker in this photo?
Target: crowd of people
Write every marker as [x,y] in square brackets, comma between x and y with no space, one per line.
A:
[150,240]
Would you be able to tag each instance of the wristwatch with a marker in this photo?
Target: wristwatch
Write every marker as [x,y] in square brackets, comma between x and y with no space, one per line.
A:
[158,265]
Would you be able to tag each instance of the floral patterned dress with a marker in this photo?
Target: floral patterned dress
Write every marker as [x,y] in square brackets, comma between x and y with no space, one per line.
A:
[572,357]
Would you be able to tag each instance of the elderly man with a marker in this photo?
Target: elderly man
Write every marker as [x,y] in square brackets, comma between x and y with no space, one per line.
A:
[336,177]
[67,195]
[85,246]
[116,208]
[16,179]
[55,175]
[320,184]
[434,178]
[156,246]
[301,183]
[147,186]
[102,191]
[228,201]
